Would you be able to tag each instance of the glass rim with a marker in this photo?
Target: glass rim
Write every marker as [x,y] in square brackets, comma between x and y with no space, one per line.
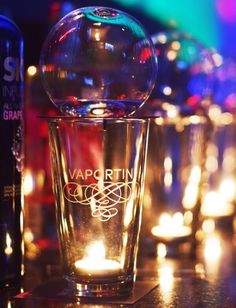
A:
[56,119]
[142,119]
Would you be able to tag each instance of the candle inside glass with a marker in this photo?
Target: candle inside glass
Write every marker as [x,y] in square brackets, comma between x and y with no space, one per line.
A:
[171,228]
[216,204]
[95,262]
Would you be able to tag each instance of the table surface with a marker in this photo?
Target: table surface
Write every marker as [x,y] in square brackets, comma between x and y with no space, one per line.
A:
[207,279]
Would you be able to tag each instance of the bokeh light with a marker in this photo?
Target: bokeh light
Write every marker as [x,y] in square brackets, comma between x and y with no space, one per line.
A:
[185,75]
[225,86]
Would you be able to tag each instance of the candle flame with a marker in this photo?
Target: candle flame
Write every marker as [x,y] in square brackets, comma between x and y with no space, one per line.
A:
[216,205]
[171,226]
[96,250]
[228,189]
[95,260]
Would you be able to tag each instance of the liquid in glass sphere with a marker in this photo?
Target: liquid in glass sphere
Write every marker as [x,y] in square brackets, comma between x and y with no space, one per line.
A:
[98,61]
[186,75]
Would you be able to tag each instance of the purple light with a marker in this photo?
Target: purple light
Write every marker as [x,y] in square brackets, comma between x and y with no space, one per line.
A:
[227,10]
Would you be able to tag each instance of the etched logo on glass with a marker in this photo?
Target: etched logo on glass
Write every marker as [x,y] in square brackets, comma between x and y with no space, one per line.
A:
[102,196]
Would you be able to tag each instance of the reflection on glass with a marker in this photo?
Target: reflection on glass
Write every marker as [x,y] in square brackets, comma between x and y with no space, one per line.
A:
[199,269]
[174,173]
[219,190]
[212,249]
[28,184]
[212,254]
[28,236]
[192,188]
[161,250]
[166,280]
[9,304]
[8,248]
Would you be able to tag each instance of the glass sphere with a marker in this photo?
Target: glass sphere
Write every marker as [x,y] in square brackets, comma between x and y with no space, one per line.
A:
[185,75]
[98,61]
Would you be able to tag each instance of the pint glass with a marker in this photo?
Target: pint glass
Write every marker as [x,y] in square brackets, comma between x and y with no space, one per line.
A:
[98,172]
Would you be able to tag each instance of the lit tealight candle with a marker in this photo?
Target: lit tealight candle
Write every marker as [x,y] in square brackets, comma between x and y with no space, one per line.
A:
[95,263]
[171,228]
[216,205]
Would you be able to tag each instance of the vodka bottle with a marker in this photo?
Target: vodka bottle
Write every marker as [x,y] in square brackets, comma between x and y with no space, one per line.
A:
[11,151]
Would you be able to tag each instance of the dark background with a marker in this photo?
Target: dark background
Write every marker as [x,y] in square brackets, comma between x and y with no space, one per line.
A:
[212,22]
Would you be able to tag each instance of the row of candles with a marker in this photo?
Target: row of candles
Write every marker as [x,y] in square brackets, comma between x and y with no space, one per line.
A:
[167,226]
[216,204]
[170,228]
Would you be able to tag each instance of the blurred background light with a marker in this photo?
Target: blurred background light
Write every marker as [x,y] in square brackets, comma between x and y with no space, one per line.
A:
[211,22]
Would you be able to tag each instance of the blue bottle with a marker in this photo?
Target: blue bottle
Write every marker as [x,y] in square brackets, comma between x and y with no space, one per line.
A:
[11,152]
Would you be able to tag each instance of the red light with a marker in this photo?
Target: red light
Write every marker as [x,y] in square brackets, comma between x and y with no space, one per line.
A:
[158,52]
[55,10]
[72,99]
[63,36]
[194,100]
[145,54]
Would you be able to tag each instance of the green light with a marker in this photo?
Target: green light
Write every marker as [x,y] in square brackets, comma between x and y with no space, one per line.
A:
[198,18]
[129,2]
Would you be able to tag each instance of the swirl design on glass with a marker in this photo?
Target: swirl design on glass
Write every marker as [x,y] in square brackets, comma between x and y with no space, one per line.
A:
[101,198]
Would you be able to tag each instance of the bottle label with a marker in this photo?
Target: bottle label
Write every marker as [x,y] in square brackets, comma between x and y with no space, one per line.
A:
[11,151]
[12,82]
[11,121]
